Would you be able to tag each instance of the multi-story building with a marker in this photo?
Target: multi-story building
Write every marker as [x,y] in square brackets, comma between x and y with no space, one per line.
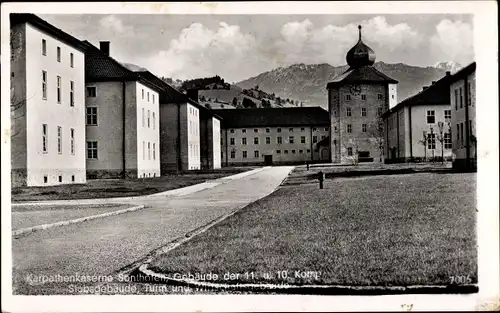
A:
[419,127]
[47,104]
[189,132]
[463,117]
[356,100]
[274,136]
[122,116]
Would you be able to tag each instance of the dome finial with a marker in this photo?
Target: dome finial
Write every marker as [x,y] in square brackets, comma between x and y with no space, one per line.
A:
[359,29]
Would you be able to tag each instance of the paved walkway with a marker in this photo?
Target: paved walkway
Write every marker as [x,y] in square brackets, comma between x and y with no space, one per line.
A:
[101,246]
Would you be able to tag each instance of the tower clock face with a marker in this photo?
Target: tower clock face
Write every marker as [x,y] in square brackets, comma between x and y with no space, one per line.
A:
[355,89]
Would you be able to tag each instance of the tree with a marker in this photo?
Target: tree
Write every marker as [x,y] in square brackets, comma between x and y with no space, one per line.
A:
[247,103]
[265,103]
[440,138]
[424,142]
[256,87]
[235,102]
[202,98]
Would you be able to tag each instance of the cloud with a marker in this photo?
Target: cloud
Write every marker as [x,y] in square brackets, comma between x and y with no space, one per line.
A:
[115,25]
[453,41]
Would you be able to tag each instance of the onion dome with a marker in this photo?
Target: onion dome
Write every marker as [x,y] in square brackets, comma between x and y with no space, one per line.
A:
[360,55]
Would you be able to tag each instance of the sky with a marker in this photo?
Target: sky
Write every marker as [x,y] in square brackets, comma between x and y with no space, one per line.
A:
[237,47]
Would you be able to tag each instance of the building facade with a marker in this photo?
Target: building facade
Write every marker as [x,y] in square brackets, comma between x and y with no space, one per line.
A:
[47,104]
[357,99]
[419,128]
[122,119]
[463,117]
[274,136]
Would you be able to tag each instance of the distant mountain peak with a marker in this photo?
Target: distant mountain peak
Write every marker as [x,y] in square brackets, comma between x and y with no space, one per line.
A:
[133,67]
[449,66]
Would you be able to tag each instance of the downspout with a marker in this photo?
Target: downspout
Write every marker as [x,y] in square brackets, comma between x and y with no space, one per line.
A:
[124,133]
[467,131]
[178,141]
[227,147]
[397,129]
[312,150]
[207,144]
[411,131]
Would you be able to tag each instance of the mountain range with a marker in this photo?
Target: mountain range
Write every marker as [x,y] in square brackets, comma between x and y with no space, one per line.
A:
[308,82]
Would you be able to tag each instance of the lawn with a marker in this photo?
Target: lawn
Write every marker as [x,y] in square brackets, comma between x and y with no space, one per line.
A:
[110,188]
[398,230]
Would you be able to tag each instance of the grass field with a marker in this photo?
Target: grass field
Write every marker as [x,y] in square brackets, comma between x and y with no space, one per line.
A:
[399,230]
[110,188]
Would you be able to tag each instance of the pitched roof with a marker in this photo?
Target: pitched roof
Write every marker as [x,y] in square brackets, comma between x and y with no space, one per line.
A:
[365,74]
[469,69]
[18,18]
[435,94]
[272,117]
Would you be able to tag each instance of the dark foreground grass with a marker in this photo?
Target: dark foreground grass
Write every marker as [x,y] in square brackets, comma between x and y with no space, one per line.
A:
[386,230]
[110,188]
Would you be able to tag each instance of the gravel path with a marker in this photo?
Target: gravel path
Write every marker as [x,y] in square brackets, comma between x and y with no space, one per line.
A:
[102,246]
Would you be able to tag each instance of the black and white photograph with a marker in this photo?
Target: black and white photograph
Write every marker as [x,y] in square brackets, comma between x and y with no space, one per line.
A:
[340,152]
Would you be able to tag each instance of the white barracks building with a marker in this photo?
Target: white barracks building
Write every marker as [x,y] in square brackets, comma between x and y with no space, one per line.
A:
[47,104]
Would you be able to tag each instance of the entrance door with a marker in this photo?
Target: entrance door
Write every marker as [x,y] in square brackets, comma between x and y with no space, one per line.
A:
[268,159]
[393,153]
[324,154]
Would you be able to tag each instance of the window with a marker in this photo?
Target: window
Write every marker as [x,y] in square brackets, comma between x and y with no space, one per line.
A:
[458,134]
[267,130]
[462,134]
[255,130]
[44,84]
[60,178]
[72,178]
[142,94]
[334,113]
[154,120]
[301,151]
[290,139]
[315,139]
[143,117]
[469,94]
[256,154]
[268,140]
[71,60]
[326,129]
[285,151]
[348,112]
[149,118]
[233,154]
[244,154]
[44,47]
[278,151]
[91,149]
[279,140]
[243,141]
[45,137]
[231,141]
[231,131]
[256,140]
[323,137]
[314,129]
[290,130]
[379,111]
[302,129]
[380,96]
[92,116]
[461,97]
[308,150]
[363,128]
[72,93]
[456,99]
[91,91]
[392,96]
[349,151]
[348,97]
[349,128]
[447,114]
[470,128]
[153,99]
[363,111]
[293,151]
[447,141]
[303,139]
[149,150]
[58,54]
[279,130]
[148,96]
[59,139]
[72,140]
[431,141]
[58,89]
[431,117]
[45,179]
[363,97]
[243,131]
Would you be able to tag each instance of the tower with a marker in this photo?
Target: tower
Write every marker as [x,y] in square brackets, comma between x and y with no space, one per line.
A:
[356,100]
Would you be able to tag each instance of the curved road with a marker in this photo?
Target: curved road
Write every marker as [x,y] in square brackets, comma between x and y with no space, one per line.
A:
[102,246]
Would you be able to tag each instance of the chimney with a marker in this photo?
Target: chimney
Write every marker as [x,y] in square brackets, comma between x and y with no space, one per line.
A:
[425,87]
[104,47]
[433,82]
[448,73]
